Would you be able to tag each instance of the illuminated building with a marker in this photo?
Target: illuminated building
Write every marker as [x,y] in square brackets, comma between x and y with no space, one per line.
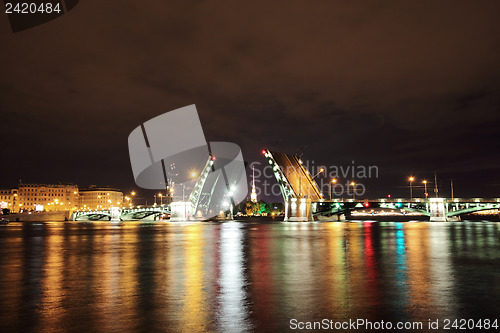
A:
[9,200]
[46,197]
[100,198]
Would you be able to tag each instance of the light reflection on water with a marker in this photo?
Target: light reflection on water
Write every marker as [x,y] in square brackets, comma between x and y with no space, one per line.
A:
[238,277]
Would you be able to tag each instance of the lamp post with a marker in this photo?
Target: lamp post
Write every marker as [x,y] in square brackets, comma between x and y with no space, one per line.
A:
[308,186]
[320,171]
[411,179]
[161,198]
[425,189]
[132,195]
[334,181]
[353,184]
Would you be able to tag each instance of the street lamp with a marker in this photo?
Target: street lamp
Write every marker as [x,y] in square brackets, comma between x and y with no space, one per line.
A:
[320,171]
[132,194]
[161,198]
[334,181]
[411,179]
[308,186]
[353,184]
[425,191]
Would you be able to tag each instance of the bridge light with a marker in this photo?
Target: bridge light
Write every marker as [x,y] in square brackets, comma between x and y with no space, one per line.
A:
[367,204]
[263,152]
[213,158]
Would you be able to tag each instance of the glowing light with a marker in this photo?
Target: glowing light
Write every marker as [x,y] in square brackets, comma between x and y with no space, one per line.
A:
[263,152]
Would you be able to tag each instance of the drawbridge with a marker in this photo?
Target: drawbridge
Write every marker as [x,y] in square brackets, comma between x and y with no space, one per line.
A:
[303,197]
[293,178]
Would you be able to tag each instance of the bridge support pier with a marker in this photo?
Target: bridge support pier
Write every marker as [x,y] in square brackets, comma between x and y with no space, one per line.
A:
[180,211]
[437,209]
[298,210]
[115,213]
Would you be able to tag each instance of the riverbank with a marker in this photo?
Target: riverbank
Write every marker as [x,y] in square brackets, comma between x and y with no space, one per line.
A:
[36,217]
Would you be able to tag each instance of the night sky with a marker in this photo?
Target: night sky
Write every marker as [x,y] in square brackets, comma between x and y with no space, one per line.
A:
[412,87]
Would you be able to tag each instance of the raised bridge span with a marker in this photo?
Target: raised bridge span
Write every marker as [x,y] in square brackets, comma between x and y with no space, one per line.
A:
[305,202]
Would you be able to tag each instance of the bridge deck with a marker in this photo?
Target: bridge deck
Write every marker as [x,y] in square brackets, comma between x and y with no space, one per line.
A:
[298,176]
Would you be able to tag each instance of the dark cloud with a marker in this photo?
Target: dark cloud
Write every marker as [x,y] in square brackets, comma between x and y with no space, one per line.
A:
[409,86]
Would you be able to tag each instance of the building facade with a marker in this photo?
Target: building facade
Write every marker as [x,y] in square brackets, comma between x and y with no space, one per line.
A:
[9,200]
[95,198]
[46,197]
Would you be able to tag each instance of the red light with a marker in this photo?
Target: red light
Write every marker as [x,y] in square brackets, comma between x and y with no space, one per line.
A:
[213,158]
[263,152]
[367,204]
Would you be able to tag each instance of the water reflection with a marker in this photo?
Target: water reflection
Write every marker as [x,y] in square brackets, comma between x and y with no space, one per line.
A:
[227,277]
[194,306]
[232,296]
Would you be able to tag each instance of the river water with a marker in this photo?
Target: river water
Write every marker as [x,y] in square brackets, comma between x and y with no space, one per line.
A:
[252,276]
